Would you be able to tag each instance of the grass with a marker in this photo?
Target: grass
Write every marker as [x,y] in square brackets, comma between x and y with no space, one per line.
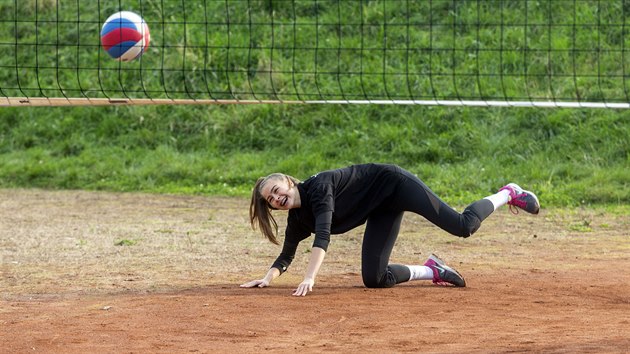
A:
[125,242]
[570,157]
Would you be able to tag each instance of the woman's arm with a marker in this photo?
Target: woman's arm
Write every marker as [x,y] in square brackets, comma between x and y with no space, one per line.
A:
[261,283]
[317,257]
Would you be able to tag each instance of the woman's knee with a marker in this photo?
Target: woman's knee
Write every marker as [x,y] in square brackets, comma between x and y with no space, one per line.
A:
[466,230]
[378,279]
[371,282]
[470,224]
[373,277]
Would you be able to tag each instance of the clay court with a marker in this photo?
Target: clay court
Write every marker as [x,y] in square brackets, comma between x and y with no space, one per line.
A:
[137,273]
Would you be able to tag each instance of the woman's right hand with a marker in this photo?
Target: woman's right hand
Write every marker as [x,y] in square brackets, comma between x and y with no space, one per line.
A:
[261,283]
[264,282]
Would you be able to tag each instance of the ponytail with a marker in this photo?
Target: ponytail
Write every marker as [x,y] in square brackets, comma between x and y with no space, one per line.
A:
[260,211]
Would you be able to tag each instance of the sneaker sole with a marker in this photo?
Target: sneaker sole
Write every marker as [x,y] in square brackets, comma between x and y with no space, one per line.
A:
[437,260]
[537,202]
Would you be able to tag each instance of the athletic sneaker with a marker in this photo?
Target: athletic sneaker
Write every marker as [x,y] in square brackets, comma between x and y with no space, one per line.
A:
[522,199]
[443,274]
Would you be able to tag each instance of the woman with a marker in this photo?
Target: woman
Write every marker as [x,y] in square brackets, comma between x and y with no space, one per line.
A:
[336,201]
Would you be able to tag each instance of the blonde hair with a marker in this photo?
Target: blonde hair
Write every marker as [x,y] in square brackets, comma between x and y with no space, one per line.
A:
[260,210]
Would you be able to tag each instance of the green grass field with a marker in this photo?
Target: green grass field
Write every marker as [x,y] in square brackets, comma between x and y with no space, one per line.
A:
[571,157]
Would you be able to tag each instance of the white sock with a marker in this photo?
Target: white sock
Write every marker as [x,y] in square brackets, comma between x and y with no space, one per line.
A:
[420,272]
[499,199]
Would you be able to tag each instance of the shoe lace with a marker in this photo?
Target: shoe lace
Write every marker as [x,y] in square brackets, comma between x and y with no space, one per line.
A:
[517,202]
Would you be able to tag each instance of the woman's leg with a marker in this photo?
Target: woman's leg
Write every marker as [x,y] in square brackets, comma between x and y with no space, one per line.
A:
[380,235]
[415,196]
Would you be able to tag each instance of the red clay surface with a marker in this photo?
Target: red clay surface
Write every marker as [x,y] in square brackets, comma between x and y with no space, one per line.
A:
[555,283]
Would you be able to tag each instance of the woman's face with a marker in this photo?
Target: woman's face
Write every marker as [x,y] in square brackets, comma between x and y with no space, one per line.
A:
[280,193]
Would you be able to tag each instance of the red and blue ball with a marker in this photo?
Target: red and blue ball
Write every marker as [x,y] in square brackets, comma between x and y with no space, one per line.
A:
[125,36]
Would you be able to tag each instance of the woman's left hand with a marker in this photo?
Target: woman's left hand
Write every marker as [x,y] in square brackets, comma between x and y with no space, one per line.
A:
[304,287]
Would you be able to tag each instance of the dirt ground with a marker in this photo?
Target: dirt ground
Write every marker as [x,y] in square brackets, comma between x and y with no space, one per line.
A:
[94,272]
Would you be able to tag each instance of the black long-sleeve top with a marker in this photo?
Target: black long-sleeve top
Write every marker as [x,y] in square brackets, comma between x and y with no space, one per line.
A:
[334,202]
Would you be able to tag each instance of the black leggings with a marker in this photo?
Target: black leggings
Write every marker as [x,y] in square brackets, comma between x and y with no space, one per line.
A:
[383,225]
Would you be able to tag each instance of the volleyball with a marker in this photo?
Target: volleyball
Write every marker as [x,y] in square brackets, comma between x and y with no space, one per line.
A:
[125,36]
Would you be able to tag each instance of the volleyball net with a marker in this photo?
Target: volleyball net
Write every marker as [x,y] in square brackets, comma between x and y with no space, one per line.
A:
[543,53]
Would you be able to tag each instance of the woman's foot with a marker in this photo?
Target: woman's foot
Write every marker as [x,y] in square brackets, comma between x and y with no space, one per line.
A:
[521,199]
[443,274]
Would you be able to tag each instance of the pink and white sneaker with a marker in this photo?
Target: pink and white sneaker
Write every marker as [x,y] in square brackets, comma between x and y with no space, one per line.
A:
[521,199]
[443,274]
